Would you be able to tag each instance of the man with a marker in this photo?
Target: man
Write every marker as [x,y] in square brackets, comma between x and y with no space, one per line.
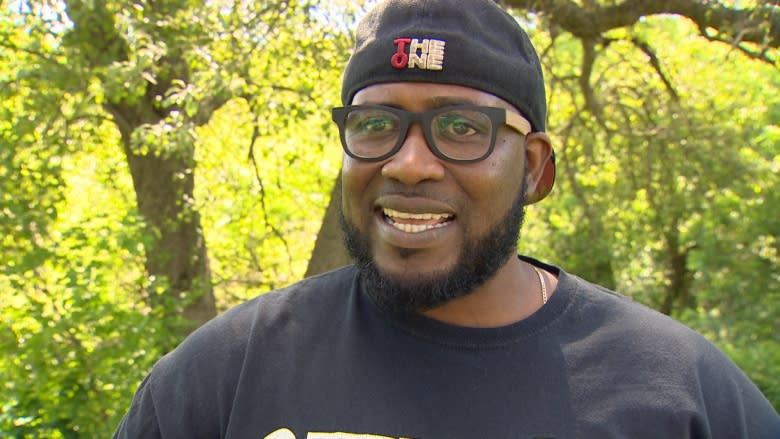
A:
[440,330]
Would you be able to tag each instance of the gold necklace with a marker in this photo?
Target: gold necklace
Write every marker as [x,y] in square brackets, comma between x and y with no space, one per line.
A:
[542,284]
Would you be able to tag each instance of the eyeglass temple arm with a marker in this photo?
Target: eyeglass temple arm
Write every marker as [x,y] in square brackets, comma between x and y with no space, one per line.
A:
[518,122]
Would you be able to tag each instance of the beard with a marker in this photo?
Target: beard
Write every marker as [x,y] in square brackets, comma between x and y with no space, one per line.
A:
[479,260]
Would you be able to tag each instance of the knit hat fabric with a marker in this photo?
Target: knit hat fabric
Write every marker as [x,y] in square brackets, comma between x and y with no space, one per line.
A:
[473,43]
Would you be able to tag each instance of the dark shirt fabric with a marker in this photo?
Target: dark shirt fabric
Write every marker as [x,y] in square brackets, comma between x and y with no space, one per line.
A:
[319,359]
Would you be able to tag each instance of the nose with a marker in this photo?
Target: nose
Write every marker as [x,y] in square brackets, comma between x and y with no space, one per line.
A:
[414,162]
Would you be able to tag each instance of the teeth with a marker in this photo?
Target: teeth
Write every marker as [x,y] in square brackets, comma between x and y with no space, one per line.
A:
[417,216]
[415,228]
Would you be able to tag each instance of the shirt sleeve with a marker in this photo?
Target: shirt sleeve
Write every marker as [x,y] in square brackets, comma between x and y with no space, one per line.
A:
[141,419]
[733,404]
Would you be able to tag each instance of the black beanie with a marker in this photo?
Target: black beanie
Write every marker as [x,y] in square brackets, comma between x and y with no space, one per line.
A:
[473,43]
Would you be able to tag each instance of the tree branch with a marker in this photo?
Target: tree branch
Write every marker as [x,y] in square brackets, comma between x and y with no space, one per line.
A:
[759,25]
[4,43]
[251,156]
[645,47]
[588,59]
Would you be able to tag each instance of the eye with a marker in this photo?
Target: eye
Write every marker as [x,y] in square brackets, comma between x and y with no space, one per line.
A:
[462,125]
[370,123]
[376,124]
[455,126]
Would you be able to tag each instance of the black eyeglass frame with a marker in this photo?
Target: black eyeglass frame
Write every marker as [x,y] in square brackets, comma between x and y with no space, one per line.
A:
[498,117]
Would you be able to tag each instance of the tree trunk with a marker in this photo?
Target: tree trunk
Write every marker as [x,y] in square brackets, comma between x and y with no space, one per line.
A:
[329,252]
[177,255]
[176,259]
[677,295]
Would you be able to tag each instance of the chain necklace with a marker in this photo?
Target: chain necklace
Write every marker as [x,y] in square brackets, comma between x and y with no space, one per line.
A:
[542,284]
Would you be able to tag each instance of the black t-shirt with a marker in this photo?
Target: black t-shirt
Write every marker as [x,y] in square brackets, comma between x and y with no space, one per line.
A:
[320,360]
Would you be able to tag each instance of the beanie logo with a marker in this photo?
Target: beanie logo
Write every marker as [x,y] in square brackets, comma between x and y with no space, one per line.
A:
[427,54]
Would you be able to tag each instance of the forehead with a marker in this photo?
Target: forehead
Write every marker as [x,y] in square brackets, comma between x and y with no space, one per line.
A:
[423,95]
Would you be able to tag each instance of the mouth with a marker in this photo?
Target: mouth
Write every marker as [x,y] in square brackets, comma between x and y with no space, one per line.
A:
[416,222]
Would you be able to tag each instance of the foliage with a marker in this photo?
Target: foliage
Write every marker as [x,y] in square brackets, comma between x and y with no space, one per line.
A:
[82,316]
[665,181]
[72,327]
[665,188]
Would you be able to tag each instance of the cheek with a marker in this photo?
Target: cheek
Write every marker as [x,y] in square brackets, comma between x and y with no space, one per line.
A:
[355,179]
[506,166]
[512,165]
[348,176]
[494,187]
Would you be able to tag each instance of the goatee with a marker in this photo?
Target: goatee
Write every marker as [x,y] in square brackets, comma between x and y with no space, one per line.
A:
[480,258]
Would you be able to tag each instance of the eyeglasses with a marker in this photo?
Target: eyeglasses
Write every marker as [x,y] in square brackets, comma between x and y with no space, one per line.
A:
[458,133]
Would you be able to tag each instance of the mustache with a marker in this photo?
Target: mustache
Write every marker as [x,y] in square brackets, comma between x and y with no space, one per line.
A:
[420,190]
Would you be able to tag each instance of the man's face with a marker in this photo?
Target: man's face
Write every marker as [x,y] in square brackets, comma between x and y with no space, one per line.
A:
[424,230]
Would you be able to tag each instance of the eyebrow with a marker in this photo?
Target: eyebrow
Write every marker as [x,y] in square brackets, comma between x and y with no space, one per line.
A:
[434,102]
[443,101]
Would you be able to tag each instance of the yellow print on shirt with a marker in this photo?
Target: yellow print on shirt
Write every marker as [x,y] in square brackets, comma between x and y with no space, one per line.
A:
[284,433]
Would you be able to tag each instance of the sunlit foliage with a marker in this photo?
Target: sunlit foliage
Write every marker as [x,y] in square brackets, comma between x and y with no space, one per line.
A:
[666,184]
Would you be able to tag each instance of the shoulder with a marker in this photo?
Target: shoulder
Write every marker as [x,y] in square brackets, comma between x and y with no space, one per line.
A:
[615,316]
[641,338]
[607,328]
[227,335]
[198,380]
[623,347]
[209,360]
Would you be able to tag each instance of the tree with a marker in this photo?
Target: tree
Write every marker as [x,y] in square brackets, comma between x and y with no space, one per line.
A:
[158,71]
[226,105]
[754,31]
[654,110]
[97,288]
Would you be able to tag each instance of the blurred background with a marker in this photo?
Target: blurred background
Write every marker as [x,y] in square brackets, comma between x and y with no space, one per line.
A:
[161,161]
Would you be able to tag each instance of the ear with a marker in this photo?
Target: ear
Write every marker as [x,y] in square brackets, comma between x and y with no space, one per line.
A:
[541,166]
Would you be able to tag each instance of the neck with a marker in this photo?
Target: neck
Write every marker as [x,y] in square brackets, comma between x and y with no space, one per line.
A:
[513,294]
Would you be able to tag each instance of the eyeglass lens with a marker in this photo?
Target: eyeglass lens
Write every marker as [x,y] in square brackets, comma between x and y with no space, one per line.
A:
[460,134]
